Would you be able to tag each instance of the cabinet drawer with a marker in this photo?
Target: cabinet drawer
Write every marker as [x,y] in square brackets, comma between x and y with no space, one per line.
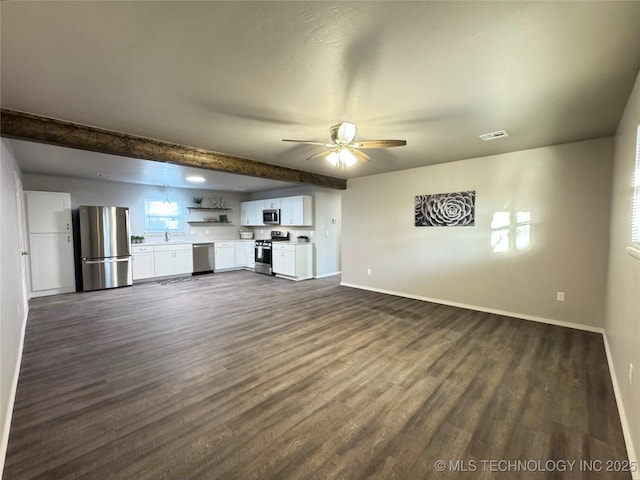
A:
[172,247]
[225,244]
[284,248]
[139,249]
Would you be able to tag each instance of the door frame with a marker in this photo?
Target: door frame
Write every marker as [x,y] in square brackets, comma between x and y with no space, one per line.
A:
[23,236]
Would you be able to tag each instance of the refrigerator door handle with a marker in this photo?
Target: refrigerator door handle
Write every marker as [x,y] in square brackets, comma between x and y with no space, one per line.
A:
[106,260]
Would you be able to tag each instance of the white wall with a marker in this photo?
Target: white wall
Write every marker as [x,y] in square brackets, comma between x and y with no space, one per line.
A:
[13,316]
[623,287]
[326,235]
[94,192]
[567,190]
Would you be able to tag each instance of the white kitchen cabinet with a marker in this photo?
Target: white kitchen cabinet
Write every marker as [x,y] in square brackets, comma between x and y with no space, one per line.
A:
[296,211]
[184,261]
[51,262]
[251,213]
[271,204]
[225,256]
[250,247]
[173,259]
[241,254]
[293,261]
[245,254]
[143,263]
[247,213]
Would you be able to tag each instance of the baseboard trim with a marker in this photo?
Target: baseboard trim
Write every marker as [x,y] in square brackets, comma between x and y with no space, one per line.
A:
[626,431]
[523,316]
[4,440]
[329,274]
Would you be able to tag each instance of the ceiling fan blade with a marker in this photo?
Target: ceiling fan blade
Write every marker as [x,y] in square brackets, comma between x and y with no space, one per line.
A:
[379,143]
[307,142]
[360,156]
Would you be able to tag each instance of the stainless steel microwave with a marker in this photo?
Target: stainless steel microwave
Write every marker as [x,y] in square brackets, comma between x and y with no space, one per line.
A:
[271,217]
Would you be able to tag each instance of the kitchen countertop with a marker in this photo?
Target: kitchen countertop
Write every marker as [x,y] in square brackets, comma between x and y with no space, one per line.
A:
[190,242]
[193,242]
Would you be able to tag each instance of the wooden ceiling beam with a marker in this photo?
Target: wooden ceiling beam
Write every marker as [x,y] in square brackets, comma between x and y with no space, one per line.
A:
[35,128]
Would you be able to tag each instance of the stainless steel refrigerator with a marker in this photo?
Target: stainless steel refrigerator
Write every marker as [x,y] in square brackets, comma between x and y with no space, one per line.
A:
[105,247]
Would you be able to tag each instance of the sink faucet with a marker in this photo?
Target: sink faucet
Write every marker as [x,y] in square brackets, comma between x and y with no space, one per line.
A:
[166,234]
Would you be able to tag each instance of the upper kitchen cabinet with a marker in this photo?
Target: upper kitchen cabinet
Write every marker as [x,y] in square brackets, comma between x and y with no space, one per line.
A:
[296,211]
[48,212]
[251,213]
[271,204]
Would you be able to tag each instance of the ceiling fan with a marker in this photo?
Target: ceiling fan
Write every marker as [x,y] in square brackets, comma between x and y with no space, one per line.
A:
[344,150]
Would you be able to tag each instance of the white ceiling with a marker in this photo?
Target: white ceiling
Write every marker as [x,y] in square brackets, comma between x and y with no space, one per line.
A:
[237,77]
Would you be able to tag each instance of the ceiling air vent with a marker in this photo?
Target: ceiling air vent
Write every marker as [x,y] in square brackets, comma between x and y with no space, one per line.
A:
[494,135]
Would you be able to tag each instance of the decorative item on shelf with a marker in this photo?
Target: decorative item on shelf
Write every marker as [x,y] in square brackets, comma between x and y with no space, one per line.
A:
[215,202]
[137,239]
[197,201]
[210,219]
[223,219]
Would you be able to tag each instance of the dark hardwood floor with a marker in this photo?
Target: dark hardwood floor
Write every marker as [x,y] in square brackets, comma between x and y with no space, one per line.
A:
[239,375]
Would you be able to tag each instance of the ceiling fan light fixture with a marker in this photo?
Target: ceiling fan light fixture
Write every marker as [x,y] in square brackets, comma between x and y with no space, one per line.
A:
[346,132]
[347,158]
[333,158]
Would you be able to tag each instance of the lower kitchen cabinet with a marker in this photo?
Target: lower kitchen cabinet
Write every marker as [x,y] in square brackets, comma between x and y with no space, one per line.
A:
[172,259]
[245,254]
[225,256]
[250,247]
[142,262]
[293,261]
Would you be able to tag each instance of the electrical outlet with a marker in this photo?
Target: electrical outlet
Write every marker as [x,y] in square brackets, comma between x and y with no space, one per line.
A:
[560,296]
[368,271]
[631,374]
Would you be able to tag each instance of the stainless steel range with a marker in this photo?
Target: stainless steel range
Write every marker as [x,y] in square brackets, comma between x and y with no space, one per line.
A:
[263,251]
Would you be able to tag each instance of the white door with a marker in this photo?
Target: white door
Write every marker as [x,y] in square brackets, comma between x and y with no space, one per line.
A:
[52,267]
[48,212]
[51,261]
[22,238]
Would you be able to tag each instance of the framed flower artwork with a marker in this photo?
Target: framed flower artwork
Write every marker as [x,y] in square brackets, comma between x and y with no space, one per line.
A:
[455,209]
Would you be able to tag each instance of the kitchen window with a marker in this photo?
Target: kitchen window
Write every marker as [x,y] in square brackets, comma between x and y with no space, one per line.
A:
[160,215]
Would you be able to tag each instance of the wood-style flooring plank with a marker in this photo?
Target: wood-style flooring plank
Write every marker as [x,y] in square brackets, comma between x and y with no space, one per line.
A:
[239,375]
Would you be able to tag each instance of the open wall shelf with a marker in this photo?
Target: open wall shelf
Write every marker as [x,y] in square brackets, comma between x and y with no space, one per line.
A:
[219,224]
[207,209]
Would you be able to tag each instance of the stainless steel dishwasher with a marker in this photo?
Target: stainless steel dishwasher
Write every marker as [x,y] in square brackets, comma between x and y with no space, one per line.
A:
[203,258]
